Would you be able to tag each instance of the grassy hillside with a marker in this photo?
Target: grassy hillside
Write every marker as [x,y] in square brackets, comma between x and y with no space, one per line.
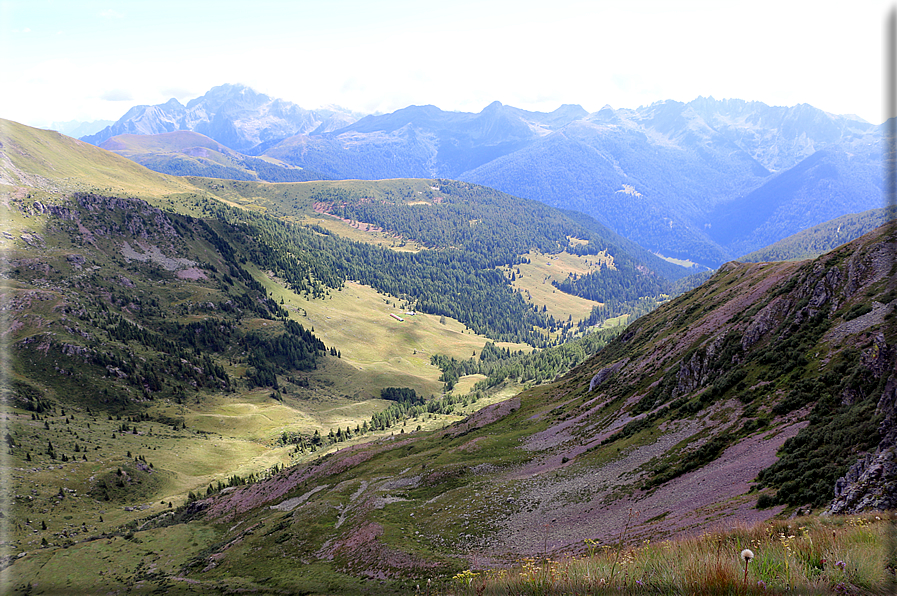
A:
[187,153]
[182,141]
[45,160]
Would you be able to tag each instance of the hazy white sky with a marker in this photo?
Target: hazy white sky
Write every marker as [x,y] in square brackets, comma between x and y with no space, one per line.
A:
[93,59]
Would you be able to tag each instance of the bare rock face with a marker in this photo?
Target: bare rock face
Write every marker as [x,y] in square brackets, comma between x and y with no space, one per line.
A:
[769,318]
[606,373]
[698,371]
[871,483]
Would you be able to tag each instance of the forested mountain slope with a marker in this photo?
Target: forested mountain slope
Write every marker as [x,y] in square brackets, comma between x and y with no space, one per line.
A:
[675,176]
[820,239]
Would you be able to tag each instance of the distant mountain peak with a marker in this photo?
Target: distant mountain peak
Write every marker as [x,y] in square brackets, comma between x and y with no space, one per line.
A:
[573,110]
[231,88]
[233,114]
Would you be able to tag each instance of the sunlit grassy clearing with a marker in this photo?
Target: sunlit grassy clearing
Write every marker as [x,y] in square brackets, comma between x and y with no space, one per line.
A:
[614,322]
[362,234]
[255,419]
[252,416]
[465,384]
[357,321]
[675,261]
[536,277]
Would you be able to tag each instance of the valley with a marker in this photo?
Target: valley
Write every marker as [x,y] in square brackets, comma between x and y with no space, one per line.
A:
[357,386]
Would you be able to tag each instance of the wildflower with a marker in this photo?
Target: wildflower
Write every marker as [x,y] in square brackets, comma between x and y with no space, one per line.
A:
[747,554]
[761,584]
[465,577]
[841,565]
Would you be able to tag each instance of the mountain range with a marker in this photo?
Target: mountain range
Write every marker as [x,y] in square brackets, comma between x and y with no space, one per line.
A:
[705,181]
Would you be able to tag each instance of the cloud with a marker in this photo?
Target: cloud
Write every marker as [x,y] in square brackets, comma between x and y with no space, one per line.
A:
[179,93]
[117,95]
[111,14]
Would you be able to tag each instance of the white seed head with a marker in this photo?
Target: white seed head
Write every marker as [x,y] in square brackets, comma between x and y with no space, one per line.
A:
[747,554]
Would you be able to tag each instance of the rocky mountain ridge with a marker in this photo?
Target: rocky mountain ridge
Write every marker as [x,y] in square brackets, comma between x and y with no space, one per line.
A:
[707,180]
[234,115]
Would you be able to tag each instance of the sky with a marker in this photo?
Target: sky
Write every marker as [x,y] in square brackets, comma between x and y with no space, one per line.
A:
[87,60]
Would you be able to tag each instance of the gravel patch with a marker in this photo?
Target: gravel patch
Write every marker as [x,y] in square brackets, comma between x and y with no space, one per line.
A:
[558,512]
[291,504]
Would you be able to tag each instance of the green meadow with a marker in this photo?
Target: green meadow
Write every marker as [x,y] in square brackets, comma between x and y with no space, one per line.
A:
[535,277]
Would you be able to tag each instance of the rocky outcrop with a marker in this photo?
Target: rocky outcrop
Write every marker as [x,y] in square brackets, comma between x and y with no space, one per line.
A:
[825,290]
[769,318]
[871,483]
[142,221]
[59,211]
[606,373]
[698,370]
